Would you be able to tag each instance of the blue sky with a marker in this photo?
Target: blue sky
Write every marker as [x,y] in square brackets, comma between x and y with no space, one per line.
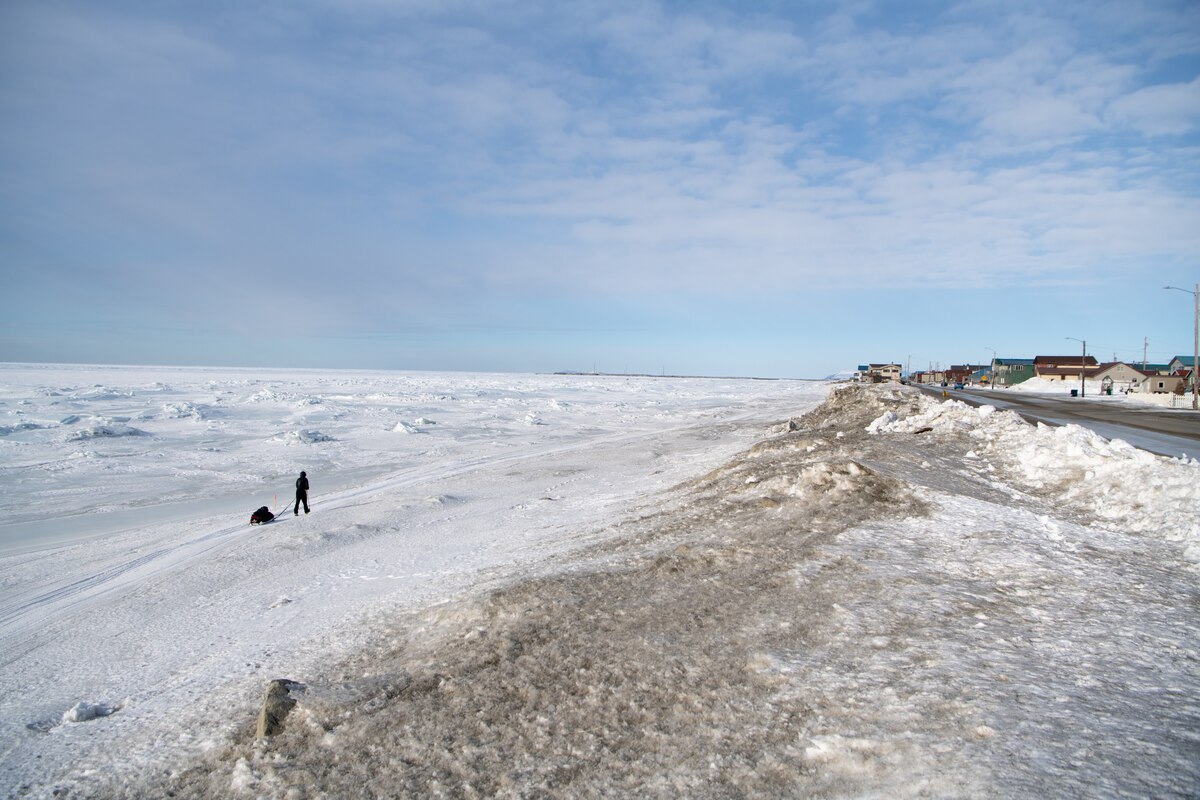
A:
[776,189]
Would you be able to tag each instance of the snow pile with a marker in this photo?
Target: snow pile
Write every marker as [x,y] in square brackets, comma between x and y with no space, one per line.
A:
[100,393]
[305,437]
[1093,391]
[85,712]
[947,417]
[824,482]
[184,410]
[5,430]
[403,427]
[1049,386]
[1074,464]
[101,428]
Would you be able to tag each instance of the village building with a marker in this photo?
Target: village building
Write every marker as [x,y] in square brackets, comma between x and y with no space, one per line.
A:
[1180,363]
[1154,369]
[1119,377]
[883,373]
[1165,384]
[878,373]
[1011,371]
[1064,368]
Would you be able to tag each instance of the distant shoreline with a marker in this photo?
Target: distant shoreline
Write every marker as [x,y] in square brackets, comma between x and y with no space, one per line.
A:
[701,377]
[41,365]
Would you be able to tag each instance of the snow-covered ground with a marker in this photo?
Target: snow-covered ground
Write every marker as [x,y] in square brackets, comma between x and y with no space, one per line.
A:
[131,582]
[558,587]
[1094,390]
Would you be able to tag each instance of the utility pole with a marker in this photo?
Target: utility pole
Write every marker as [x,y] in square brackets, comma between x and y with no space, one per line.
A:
[1195,343]
[1145,344]
[1082,362]
[992,377]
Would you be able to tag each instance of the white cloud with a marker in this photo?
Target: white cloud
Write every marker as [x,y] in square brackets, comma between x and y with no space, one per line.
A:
[629,145]
[1162,110]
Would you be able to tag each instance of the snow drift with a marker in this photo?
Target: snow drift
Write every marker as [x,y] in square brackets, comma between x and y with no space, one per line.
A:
[1073,464]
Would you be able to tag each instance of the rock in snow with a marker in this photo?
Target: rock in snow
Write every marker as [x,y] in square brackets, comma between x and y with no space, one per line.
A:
[85,712]
[277,704]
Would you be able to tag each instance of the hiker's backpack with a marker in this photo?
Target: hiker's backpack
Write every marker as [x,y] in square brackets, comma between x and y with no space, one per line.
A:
[262,515]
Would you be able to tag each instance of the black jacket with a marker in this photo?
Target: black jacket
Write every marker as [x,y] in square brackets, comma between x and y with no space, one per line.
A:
[302,484]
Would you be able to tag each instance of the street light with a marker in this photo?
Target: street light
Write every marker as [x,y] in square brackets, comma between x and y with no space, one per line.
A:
[993,378]
[1195,293]
[1082,386]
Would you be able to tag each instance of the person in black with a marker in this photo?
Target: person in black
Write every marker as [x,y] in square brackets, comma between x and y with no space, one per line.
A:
[301,493]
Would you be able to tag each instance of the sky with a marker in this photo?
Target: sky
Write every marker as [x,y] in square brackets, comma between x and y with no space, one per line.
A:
[777,189]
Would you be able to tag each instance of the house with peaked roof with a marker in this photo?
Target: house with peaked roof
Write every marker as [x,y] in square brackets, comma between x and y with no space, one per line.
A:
[1119,375]
[1179,362]
[1164,384]
[1063,368]
[1011,371]
[1154,369]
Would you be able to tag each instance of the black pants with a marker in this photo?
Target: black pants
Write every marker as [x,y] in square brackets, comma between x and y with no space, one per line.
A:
[301,497]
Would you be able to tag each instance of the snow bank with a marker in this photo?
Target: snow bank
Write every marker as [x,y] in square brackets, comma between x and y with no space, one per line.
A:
[1112,481]
[1048,386]
[1093,391]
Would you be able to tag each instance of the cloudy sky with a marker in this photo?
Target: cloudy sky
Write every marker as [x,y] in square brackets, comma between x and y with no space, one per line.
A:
[774,188]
